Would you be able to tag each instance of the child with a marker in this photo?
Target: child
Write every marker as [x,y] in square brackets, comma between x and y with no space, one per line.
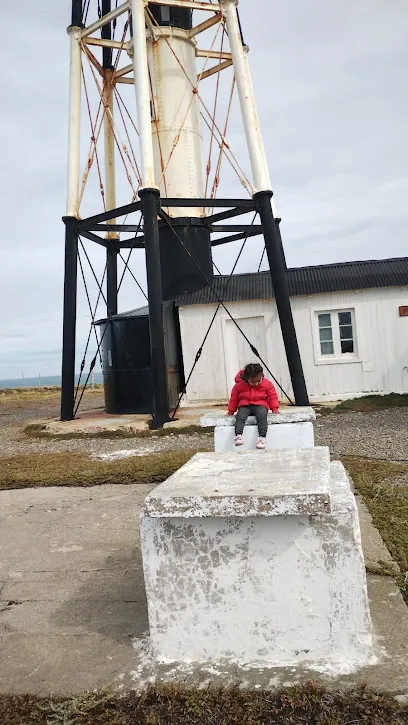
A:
[252,394]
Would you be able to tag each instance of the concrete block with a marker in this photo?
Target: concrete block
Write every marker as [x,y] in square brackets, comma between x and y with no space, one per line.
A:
[286,435]
[254,484]
[295,414]
[290,428]
[229,577]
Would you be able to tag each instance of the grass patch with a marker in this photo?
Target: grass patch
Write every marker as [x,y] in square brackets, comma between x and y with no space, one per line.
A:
[307,705]
[7,394]
[385,493]
[369,403]
[79,469]
[43,392]
[38,430]
[323,410]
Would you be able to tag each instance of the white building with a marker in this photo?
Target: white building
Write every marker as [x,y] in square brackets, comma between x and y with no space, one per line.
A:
[351,321]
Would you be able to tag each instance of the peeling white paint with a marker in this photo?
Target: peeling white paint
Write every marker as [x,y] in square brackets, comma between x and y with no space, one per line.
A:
[259,589]
[118,455]
[335,669]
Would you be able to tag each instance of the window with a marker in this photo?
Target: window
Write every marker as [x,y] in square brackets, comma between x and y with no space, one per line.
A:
[326,334]
[336,334]
[346,332]
[165,15]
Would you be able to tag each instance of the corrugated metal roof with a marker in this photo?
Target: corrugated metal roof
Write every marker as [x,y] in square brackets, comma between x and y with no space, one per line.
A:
[139,312]
[323,278]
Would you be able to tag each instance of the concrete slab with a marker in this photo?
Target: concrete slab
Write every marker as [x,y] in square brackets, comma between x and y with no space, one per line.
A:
[94,422]
[78,651]
[71,587]
[261,483]
[293,414]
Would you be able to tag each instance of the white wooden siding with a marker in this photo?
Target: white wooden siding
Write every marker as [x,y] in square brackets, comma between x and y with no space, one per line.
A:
[381,337]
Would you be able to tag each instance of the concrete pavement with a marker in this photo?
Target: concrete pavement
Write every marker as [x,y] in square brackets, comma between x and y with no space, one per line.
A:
[73,612]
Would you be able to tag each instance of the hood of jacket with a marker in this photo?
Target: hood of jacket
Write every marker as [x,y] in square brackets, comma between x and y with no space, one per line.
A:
[239,377]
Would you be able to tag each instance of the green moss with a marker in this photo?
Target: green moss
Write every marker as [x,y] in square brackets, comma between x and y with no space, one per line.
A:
[44,392]
[369,403]
[38,430]
[382,486]
[79,469]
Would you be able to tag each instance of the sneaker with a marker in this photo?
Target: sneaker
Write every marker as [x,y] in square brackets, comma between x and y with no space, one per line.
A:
[239,441]
[261,443]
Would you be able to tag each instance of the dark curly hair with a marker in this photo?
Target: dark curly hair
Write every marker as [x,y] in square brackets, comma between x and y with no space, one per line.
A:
[252,370]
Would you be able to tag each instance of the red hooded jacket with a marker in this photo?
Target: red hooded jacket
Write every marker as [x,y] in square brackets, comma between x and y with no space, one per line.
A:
[245,394]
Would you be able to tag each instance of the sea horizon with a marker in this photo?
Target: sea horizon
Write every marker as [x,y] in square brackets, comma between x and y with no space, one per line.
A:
[44,381]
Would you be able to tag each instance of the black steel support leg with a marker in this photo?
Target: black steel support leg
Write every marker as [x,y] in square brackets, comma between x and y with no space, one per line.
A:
[112,282]
[273,244]
[106,35]
[69,322]
[151,202]
[278,232]
[76,16]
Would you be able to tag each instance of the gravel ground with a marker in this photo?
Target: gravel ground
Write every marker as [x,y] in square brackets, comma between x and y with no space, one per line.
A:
[382,434]
[14,416]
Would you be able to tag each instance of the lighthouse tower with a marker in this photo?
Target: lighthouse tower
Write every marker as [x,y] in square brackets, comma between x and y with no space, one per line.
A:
[158,50]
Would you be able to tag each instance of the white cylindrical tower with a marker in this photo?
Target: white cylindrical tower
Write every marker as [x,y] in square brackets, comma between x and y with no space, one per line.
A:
[169,79]
[177,140]
[165,76]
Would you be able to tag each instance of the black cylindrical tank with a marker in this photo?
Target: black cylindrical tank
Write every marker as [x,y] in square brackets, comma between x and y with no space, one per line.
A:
[126,360]
[181,272]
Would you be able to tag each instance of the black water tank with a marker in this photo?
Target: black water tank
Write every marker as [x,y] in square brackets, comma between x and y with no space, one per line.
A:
[185,253]
[126,360]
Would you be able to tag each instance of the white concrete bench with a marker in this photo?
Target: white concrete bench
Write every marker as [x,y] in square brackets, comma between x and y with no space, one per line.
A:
[256,557]
[290,428]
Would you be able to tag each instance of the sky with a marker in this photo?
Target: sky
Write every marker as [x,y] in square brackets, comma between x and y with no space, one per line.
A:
[330,80]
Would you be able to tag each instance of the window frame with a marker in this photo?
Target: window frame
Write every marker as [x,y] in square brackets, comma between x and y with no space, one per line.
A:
[337,357]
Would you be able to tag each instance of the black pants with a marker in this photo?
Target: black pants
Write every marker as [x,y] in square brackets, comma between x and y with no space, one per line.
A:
[261,415]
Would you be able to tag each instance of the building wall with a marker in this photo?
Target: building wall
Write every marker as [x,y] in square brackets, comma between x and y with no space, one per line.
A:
[379,362]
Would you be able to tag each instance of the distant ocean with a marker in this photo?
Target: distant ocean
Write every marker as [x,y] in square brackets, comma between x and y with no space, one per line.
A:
[46,381]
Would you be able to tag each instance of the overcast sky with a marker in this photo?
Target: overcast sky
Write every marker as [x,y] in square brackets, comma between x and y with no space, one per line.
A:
[331,80]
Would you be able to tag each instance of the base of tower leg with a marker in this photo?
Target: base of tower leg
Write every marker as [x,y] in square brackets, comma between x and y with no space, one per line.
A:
[151,204]
[69,319]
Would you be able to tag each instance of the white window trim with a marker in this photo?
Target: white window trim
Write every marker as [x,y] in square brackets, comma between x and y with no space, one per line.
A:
[345,358]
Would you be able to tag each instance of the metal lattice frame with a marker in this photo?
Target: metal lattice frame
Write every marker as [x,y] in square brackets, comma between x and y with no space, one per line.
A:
[104,229]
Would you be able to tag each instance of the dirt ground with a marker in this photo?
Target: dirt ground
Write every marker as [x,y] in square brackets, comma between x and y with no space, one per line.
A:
[381,434]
